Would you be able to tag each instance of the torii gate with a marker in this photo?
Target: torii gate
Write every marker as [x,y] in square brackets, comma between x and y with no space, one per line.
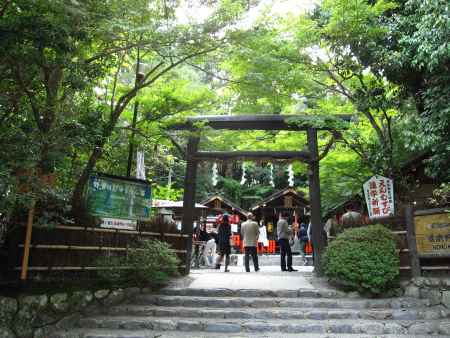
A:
[256,122]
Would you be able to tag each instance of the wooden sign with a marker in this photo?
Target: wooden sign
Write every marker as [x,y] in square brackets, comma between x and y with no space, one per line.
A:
[288,201]
[433,234]
[379,193]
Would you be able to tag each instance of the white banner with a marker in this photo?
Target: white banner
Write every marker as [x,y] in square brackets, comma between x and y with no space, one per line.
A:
[379,193]
[140,165]
[116,223]
[263,236]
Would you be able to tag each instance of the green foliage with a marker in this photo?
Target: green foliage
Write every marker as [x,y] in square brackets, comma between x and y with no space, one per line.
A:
[113,269]
[68,77]
[363,259]
[167,193]
[441,196]
[150,263]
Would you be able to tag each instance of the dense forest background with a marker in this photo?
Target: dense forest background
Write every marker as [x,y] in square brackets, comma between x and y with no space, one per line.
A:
[74,74]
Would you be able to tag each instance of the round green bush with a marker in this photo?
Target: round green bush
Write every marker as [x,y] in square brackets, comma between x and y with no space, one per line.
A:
[363,259]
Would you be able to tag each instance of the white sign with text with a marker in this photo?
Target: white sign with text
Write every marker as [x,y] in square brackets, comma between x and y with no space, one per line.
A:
[117,223]
[379,193]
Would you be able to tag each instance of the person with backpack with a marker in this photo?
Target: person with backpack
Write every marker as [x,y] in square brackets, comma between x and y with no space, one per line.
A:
[284,233]
[224,234]
[303,238]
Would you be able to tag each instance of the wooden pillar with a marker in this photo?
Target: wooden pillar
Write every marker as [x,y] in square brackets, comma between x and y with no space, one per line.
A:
[190,182]
[314,198]
[26,247]
[412,244]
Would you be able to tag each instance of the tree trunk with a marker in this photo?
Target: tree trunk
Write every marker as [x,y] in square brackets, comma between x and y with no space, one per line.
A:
[78,205]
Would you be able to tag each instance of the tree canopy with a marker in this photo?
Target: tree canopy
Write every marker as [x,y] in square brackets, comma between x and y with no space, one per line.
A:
[73,74]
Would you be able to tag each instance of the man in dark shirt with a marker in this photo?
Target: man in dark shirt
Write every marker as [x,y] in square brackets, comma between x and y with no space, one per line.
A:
[284,233]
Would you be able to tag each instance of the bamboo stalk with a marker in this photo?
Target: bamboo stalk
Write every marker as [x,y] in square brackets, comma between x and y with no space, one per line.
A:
[128,232]
[26,251]
[64,268]
[79,247]
[401,232]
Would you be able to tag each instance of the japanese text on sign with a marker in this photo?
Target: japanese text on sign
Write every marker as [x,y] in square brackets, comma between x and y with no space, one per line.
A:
[118,198]
[433,234]
[379,193]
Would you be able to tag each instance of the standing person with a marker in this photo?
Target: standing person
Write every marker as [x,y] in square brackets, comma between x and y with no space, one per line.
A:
[250,234]
[209,252]
[201,237]
[224,235]
[284,233]
[303,238]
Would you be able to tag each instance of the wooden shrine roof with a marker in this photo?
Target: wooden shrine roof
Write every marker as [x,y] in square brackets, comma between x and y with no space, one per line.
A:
[278,195]
[232,205]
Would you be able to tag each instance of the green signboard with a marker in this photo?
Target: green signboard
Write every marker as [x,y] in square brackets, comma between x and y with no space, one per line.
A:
[117,197]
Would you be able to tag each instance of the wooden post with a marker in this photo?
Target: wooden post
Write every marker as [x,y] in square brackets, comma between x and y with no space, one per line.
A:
[411,238]
[190,181]
[26,249]
[314,198]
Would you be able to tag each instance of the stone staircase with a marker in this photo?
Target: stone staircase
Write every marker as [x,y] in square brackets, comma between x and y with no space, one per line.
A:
[184,312]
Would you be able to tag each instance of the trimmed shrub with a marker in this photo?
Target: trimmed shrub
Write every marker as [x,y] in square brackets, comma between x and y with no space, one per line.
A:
[150,263]
[111,272]
[153,263]
[363,259]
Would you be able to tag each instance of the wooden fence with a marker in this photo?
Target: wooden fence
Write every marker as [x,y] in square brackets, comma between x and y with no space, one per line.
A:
[66,251]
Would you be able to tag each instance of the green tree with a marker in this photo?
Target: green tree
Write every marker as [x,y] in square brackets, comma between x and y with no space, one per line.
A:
[70,69]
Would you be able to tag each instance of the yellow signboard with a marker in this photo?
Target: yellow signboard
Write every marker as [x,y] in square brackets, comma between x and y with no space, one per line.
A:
[433,234]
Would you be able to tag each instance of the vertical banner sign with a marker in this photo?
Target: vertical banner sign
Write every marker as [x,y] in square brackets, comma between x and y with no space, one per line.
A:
[379,193]
[117,198]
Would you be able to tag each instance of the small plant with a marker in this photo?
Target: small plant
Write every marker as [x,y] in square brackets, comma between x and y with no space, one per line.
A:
[150,263]
[112,270]
[363,259]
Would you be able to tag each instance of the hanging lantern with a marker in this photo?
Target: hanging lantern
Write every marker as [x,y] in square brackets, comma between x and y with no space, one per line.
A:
[243,179]
[215,179]
[290,175]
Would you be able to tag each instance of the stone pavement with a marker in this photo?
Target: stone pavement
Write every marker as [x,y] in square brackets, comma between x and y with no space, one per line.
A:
[271,260]
[265,279]
[264,304]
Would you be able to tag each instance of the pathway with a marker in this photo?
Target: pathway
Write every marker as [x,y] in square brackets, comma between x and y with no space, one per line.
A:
[265,279]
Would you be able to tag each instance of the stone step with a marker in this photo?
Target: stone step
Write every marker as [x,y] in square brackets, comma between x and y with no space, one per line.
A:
[278,313]
[314,293]
[104,333]
[375,327]
[263,302]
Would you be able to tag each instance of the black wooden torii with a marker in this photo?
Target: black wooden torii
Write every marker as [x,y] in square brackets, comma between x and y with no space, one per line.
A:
[256,122]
